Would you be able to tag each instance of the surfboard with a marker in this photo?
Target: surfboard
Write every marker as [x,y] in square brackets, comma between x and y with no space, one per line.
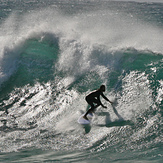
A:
[83,121]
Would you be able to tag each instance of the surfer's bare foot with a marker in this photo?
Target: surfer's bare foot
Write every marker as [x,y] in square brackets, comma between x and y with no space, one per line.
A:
[85,118]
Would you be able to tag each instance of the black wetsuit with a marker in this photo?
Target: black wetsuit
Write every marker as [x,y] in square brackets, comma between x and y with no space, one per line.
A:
[94,97]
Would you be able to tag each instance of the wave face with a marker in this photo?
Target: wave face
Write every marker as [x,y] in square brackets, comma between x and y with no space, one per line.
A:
[52,54]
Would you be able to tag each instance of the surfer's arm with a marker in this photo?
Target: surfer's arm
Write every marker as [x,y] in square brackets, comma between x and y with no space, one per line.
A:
[105,98]
[100,102]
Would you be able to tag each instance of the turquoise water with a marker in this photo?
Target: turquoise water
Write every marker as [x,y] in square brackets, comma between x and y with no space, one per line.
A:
[53,53]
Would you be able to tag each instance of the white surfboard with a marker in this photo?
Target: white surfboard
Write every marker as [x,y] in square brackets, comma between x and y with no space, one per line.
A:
[83,121]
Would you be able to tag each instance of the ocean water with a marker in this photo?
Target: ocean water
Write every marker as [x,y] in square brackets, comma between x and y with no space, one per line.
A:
[53,53]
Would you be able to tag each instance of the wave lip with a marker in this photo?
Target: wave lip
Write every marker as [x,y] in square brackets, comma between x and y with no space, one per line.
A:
[78,34]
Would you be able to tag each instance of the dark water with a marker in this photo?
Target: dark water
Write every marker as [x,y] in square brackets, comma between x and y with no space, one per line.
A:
[53,53]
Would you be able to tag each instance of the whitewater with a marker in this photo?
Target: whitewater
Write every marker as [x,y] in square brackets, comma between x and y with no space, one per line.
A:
[53,53]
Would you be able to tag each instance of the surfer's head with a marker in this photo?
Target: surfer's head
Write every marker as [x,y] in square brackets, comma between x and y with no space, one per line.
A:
[102,88]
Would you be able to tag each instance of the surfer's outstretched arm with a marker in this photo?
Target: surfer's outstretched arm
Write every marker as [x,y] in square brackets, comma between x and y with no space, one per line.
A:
[100,103]
[106,98]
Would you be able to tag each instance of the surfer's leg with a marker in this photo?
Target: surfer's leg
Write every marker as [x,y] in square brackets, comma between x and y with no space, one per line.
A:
[93,107]
[91,102]
[91,110]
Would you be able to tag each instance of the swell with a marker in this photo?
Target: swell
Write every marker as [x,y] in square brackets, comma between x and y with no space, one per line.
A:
[42,108]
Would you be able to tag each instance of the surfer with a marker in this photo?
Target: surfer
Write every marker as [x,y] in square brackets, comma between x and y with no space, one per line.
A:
[94,97]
